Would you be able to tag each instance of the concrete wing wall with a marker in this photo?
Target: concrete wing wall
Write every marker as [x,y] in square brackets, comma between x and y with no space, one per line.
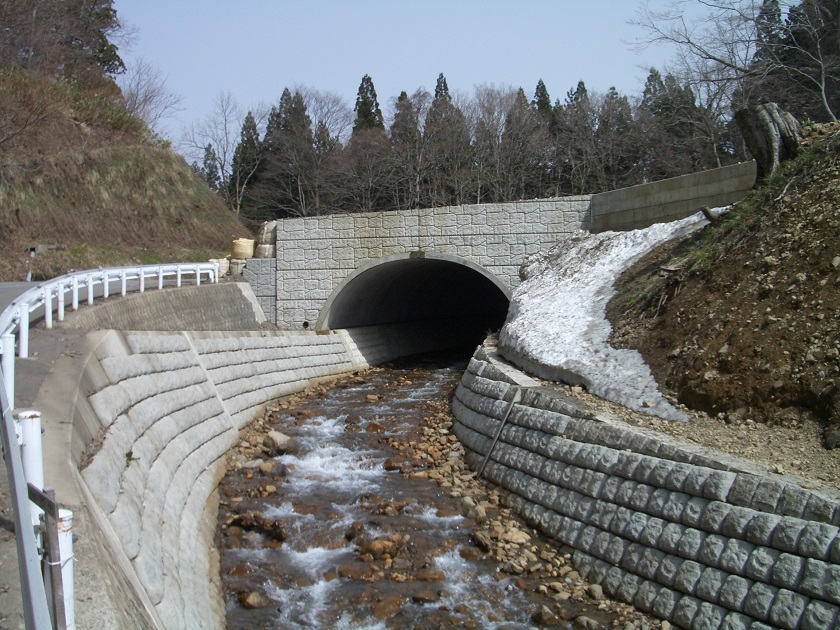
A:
[687,534]
[670,199]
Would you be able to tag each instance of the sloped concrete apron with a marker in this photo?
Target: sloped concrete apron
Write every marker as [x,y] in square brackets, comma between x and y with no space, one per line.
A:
[685,533]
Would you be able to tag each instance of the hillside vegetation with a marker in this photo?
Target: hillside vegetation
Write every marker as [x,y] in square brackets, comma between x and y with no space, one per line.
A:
[742,320]
[88,185]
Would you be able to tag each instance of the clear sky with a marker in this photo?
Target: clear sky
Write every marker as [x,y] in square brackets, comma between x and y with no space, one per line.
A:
[256,48]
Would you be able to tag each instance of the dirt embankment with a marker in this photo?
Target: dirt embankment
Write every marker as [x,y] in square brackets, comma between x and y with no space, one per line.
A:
[88,185]
[742,320]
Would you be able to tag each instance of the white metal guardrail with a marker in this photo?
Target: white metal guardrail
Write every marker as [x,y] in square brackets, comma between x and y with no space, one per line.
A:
[50,300]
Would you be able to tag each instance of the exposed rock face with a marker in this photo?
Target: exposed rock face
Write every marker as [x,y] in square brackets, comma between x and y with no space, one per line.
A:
[771,134]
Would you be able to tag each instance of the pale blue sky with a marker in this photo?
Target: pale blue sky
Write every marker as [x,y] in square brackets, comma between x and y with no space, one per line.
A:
[255,48]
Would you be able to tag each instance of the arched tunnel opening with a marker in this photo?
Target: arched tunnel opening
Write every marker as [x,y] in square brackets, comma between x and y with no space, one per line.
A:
[426,302]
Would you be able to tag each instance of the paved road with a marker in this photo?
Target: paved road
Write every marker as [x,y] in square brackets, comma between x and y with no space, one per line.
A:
[10,290]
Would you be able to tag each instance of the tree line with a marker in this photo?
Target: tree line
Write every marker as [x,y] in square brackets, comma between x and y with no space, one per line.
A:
[440,149]
[311,154]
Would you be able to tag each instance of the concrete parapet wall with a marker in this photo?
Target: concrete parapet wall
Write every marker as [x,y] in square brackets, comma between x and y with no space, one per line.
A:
[670,199]
[166,408]
[690,535]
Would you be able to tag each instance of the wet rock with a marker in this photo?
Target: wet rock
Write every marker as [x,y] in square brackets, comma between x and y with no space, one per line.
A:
[517,536]
[375,427]
[586,623]
[430,575]
[544,616]
[277,443]
[387,607]
[596,592]
[482,540]
[254,599]
[426,596]
[273,469]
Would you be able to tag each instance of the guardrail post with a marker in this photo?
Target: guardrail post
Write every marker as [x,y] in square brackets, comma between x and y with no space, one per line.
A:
[8,365]
[60,300]
[160,278]
[123,283]
[142,280]
[32,455]
[105,282]
[74,288]
[89,287]
[178,276]
[65,548]
[23,332]
[48,309]
[197,275]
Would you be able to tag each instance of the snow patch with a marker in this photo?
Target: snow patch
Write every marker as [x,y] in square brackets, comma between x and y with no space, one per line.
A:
[557,328]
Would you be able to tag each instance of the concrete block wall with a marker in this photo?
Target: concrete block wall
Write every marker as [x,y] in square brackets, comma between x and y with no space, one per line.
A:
[315,253]
[261,274]
[171,405]
[682,532]
[670,199]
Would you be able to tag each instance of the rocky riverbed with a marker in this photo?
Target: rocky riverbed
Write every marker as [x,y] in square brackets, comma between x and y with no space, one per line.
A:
[434,548]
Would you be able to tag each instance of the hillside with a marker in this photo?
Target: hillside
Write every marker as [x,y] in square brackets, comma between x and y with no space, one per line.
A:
[742,319]
[89,185]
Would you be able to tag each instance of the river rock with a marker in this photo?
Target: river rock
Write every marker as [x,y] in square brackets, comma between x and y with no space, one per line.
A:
[254,599]
[277,443]
[430,575]
[387,607]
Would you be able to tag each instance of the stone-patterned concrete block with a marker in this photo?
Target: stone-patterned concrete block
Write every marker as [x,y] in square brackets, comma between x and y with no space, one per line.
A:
[693,512]
[733,593]
[817,540]
[767,495]
[821,581]
[686,611]
[760,564]
[668,568]
[787,571]
[687,576]
[760,600]
[787,534]
[735,556]
[793,501]
[787,609]
[736,522]
[718,484]
[760,529]
[714,515]
[646,595]
[691,544]
[710,584]
[649,562]
[743,489]
[669,540]
[820,615]
[820,510]
[712,550]
[636,525]
[710,617]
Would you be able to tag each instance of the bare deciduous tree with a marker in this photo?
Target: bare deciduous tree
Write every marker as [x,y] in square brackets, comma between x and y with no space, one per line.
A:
[146,95]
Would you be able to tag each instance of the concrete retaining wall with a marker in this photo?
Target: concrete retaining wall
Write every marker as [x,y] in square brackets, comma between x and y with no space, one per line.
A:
[682,532]
[670,199]
[171,405]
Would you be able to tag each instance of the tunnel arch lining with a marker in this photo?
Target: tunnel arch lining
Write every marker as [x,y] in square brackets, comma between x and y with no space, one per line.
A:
[400,258]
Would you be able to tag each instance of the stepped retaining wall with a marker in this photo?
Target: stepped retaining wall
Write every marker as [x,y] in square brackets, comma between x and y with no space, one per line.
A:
[685,533]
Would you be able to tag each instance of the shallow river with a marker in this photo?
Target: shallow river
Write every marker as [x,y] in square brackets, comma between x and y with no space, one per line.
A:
[346,531]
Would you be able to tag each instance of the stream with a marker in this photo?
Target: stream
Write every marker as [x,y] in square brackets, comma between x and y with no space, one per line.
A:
[352,526]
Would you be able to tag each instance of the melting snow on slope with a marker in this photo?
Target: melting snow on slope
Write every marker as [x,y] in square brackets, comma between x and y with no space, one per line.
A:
[556,324]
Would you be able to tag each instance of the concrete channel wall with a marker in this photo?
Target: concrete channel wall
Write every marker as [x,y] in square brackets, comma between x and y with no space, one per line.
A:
[166,407]
[682,532]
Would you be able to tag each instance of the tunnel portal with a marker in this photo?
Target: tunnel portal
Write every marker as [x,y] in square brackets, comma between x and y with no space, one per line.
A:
[443,294]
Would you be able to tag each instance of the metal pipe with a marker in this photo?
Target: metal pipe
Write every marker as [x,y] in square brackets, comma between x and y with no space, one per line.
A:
[517,396]
[23,332]
[8,366]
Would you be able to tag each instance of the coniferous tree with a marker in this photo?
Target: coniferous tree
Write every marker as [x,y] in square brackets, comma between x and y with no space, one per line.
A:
[244,165]
[368,113]
[407,143]
[210,168]
[542,101]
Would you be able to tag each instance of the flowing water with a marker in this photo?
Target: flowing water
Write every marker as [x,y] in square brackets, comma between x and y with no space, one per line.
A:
[354,535]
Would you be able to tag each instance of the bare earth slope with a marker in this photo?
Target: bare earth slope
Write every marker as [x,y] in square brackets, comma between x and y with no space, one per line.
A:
[91,186]
[742,320]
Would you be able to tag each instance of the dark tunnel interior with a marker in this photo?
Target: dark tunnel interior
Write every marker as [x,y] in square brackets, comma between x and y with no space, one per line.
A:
[423,291]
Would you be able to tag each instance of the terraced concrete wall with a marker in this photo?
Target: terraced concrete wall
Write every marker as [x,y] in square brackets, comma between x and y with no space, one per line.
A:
[687,534]
[170,405]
